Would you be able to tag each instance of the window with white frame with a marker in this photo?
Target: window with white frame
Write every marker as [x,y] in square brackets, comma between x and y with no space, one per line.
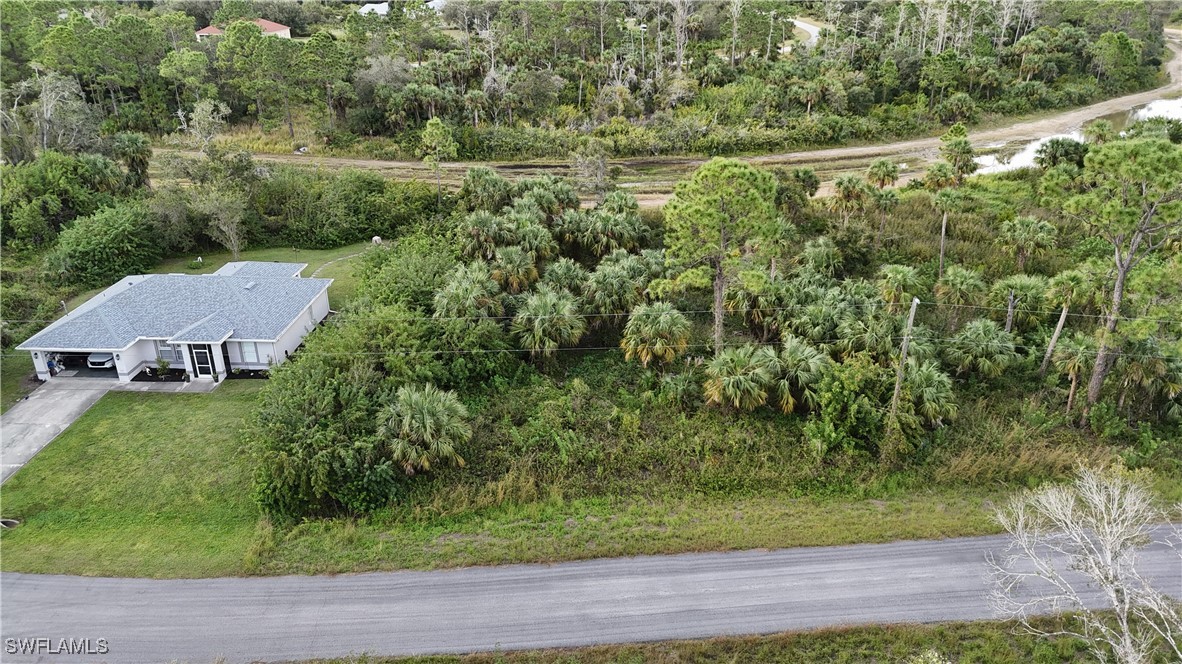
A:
[169,352]
[250,352]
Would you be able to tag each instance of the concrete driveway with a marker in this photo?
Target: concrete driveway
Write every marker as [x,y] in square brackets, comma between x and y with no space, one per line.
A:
[32,423]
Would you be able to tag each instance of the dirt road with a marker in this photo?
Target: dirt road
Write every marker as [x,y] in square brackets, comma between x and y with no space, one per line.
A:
[653,193]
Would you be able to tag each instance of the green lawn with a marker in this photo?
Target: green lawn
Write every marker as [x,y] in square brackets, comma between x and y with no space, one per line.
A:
[155,485]
[991,642]
[15,368]
[142,484]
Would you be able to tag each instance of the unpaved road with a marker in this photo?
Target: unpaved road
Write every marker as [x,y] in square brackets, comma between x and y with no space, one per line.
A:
[920,149]
[611,600]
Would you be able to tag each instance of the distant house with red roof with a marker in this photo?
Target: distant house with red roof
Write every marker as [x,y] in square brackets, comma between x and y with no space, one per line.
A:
[270,29]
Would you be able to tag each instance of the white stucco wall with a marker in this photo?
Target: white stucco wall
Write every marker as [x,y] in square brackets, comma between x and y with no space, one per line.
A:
[134,358]
[307,321]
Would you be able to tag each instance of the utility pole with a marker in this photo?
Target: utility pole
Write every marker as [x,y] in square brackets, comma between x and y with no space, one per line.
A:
[1011,303]
[903,357]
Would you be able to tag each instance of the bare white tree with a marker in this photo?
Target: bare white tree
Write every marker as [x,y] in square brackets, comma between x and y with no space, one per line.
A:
[1074,550]
[204,123]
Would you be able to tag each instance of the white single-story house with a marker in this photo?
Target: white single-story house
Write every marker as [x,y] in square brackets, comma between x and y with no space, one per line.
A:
[247,315]
[379,8]
[270,29]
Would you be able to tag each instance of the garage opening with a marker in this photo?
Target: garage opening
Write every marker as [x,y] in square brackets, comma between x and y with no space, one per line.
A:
[84,365]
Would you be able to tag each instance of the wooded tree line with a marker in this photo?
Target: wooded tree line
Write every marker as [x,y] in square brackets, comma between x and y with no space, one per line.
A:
[518,78]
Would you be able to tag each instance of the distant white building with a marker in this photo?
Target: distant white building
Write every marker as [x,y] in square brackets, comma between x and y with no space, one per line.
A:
[379,8]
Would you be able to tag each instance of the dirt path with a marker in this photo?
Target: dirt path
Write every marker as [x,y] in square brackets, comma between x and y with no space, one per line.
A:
[921,148]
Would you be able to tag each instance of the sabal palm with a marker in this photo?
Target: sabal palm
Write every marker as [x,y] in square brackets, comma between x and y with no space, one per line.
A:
[1065,289]
[1073,357]
[548,320]
[611,291]
[849,196]
[470,292]
[424,427]
[514,269]
[959,287]
[931,391]
[565,274]
[483,232]
[885,200]
[655,331]
[536,240]
[1025,238]
[1144,365]
[862,331]
[981,347]
[1029,292]
[740,377]
[946,201]
[939,176]
[882,173]
[134,151]
[797,370]
[821,256]
[898,284]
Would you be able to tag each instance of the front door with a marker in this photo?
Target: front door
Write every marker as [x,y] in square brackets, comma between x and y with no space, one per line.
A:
[202,359]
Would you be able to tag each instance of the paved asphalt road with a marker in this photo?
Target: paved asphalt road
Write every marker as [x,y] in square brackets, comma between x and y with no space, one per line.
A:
[512,607]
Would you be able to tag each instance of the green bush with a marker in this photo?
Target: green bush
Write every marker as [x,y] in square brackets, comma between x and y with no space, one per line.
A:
[104,247]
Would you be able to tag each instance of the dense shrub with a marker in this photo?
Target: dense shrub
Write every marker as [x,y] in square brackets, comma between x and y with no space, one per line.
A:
[104,247]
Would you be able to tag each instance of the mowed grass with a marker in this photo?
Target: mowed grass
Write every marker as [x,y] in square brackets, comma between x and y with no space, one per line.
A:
[991,642]
[16,367]
[156,485]
[556,530]
[141,485]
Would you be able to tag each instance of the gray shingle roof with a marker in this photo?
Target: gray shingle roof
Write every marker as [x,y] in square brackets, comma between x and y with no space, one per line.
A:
[188,307]
[260,269]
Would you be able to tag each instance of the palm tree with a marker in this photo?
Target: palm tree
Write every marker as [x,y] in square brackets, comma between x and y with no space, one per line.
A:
[611,291]
[821,256]
[898,284]
[849,196]
[931,391]
[861,331]
[1099,132]
[945,201]
[1029,292]
[939,176]
[959,287]
[1073,357]
[537,241]
[546,321]
[1066,288]
[1144,365]
[982,346]
[885,200]
[483,232]
[882,173]
[740,377]
[655,331]
[134,150]
[565,274]
[1026,237]
[424,427]
[470,292]
[514,269]
[796,372]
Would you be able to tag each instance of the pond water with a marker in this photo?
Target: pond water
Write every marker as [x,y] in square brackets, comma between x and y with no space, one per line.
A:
[1024,158]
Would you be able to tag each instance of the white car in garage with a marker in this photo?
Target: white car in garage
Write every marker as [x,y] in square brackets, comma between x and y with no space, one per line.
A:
[100,361]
